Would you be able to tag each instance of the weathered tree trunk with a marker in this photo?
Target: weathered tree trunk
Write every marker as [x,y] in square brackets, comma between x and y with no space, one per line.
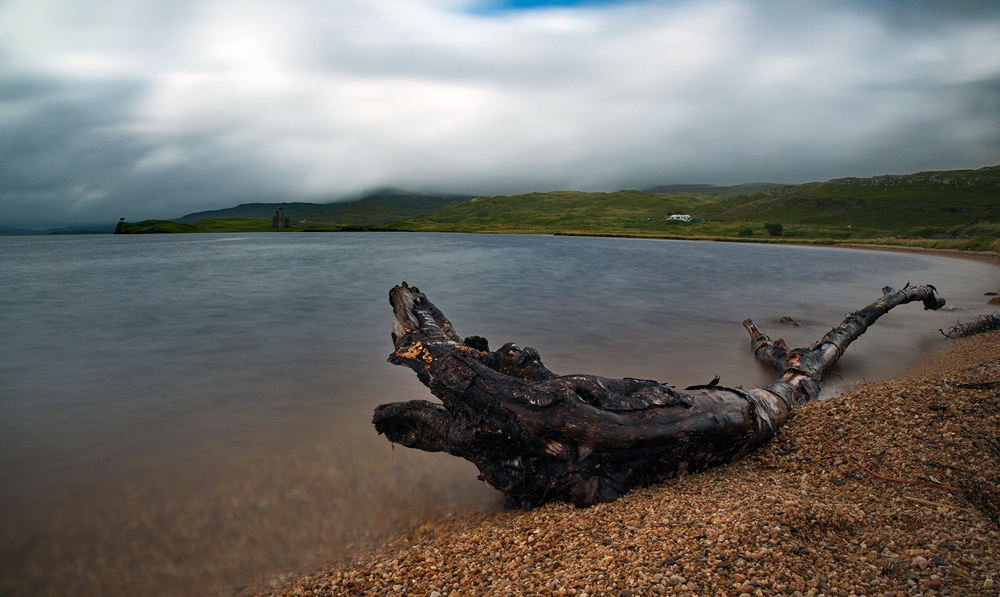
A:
[537,436]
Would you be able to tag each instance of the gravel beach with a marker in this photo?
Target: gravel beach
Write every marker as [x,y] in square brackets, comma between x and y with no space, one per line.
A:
[889,489]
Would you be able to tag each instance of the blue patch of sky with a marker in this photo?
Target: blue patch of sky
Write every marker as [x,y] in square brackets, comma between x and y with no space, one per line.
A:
[495,6]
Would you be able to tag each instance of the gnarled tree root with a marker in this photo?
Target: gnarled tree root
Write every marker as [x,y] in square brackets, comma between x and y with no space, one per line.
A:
[537,436]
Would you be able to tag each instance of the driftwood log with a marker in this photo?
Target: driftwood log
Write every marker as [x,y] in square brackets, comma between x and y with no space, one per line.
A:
[537,436]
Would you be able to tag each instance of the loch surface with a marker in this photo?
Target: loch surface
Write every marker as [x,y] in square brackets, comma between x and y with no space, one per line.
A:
[191,414]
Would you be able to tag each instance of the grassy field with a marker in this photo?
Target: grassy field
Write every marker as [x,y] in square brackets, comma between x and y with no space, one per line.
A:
[563,211]
[203,225]
[956,209]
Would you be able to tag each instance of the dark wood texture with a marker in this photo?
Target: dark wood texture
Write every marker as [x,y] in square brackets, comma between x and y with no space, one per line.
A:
[537,436]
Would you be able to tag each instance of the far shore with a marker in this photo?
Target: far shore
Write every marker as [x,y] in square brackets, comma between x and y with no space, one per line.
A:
[984,256]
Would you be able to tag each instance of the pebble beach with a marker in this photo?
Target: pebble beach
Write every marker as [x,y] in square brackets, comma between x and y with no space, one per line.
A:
[889,489]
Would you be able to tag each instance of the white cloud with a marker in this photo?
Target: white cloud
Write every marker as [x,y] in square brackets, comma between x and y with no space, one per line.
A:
[222,101]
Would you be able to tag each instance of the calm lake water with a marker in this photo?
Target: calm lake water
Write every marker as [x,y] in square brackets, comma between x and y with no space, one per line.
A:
[191,414]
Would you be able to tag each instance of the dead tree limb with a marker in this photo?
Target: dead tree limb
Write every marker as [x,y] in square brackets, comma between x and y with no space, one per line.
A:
[537,436]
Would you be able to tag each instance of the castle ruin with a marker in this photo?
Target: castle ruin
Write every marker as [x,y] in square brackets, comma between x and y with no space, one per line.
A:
[280,220]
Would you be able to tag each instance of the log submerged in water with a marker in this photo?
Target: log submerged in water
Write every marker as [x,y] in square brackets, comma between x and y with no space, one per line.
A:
[537,436]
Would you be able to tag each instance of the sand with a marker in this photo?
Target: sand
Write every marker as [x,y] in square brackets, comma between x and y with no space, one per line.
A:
[806,515]
[984,256]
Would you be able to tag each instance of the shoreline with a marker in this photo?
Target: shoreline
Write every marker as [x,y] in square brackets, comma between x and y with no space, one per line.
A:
[805,515]
[983,256]
[991,256]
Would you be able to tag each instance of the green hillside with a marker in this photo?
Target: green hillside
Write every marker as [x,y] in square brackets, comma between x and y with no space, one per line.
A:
[954,209]
[926,204]
[959,209]
[565,211]
[708,189]
[375,209]
[264,211]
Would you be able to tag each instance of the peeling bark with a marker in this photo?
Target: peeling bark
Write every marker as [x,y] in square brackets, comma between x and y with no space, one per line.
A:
[537,436]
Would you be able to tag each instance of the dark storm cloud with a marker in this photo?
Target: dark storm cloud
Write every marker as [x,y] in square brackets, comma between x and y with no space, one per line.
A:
[155,109]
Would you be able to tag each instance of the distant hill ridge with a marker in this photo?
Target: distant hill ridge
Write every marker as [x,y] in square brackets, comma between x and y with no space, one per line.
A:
[261,210]
[708,189]
[82,229]
[986,177]
[945,209]
[929,199]
[374,209]
[948,209]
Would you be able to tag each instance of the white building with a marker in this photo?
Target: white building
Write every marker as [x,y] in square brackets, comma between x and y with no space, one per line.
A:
[680,217]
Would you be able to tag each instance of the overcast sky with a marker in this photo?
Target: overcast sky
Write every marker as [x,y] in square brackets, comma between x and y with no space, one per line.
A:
[157,108]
